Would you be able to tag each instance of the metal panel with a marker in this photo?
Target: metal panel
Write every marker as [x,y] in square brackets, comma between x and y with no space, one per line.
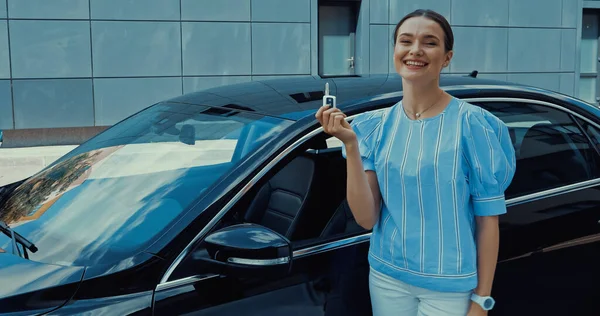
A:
[535,13]
[480,48]
[480,13]
[216,48]
[48,103]
[135,9]
[136,48]
[44,9]
[215,10]
[6,105]
[280,48]
[281,10]
[523,58]
[118,98]
[50,49]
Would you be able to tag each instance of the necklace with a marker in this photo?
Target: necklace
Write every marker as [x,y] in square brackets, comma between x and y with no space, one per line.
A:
[418,114]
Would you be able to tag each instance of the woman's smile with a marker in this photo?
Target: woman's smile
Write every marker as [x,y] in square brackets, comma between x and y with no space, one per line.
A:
[415,64]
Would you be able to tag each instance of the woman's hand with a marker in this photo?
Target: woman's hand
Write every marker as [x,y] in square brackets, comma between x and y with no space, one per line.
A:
[334,123]
[476,310]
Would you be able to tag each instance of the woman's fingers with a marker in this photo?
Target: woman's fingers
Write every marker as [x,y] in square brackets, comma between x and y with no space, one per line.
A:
[319,114]
[327,117]
[335,121]
[330,118]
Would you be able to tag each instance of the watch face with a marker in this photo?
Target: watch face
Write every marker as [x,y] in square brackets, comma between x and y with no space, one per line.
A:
[488,303]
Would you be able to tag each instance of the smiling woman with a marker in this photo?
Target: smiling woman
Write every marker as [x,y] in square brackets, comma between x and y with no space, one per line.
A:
[109,198]
[428,175]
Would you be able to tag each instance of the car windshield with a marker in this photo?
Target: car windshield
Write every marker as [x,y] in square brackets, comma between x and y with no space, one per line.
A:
[110,197]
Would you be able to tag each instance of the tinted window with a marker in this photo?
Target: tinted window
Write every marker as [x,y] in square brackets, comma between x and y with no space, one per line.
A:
[592,131]
[551,149]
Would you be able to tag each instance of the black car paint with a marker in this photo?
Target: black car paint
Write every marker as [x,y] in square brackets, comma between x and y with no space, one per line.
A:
[35,287]
[127,287]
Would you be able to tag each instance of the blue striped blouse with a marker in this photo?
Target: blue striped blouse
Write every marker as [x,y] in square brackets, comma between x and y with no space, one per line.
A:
[435,175]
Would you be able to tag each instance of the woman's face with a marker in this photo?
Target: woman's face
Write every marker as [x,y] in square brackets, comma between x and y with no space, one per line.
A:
[419,54]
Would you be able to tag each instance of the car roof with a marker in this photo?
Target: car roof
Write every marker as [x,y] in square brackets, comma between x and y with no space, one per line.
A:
[296,97]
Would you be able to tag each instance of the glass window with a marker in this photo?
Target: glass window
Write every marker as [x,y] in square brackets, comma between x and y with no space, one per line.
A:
[110,197]
[589,42]
[551,149]
[592,131]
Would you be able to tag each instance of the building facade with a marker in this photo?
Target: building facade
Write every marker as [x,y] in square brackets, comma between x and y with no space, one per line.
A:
[79,65]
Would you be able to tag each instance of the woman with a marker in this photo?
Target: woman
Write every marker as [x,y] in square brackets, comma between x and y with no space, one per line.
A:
[428,176]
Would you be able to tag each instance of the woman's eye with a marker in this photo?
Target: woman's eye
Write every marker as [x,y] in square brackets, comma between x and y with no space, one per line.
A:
[405,41]
[431,44]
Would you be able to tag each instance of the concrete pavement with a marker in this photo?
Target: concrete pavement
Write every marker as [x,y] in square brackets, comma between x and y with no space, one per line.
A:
[19,163]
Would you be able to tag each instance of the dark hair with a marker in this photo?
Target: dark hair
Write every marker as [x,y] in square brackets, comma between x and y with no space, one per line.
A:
[434,16]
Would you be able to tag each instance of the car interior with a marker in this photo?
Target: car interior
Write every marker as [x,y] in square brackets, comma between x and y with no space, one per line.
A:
[541,147]
[304,197]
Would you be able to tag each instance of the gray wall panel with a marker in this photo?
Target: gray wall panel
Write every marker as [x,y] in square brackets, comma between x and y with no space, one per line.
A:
[569,13]
[533,50]
[6,111]
[47,103]
[135,9]
[480,13]
[399,8]
[535,13]
[136,48]
[3,9]
[217,48]
[379,12]
[211,10]
[480,48]
[50,49]
[119,98]
[568,50]
[280,48]
[281,10]
[193,84]
[542,80]
[567,83]
[502,77]
[4,51]
[49,9]
[379,55]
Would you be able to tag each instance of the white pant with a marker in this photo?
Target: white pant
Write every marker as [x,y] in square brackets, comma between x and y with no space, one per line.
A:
[391,297]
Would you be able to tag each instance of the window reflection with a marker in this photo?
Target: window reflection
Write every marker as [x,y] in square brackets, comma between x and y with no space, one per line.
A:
[550,148]
[111,196]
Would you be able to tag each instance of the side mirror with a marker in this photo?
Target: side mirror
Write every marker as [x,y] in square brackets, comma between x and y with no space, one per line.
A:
[245,250]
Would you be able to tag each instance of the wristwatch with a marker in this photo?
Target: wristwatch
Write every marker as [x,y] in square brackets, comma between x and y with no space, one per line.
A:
[486,302]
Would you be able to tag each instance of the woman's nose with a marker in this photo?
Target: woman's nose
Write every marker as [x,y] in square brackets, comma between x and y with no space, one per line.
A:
[415,49]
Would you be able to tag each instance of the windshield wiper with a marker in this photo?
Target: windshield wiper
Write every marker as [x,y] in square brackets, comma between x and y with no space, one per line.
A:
[17,238]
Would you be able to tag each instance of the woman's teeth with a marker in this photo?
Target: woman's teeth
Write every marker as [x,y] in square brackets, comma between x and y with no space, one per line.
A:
[415,63]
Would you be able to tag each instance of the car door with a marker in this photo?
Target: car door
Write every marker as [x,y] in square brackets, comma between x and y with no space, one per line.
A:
[328,273]
[322,281]
[550,246]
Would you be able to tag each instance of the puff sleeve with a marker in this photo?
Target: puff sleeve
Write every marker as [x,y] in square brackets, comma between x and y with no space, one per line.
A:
[366,126]
[491,159]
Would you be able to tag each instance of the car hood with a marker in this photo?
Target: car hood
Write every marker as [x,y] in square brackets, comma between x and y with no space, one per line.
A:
[31,288]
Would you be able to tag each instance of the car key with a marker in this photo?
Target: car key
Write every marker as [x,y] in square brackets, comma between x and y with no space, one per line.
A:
[328,99]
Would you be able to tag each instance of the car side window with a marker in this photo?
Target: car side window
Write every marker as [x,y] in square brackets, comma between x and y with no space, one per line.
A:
[550,147]
[592,131]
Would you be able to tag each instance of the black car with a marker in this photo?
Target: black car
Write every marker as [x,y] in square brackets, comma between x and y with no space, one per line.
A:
[231,201]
